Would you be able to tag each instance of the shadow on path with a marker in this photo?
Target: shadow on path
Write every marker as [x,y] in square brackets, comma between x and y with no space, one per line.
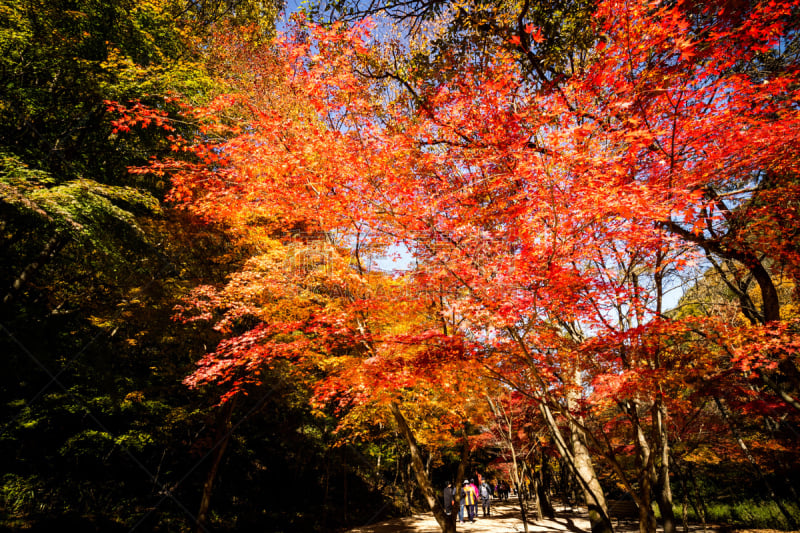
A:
[506,518]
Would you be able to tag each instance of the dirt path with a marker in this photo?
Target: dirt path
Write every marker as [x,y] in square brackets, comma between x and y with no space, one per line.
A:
[505,518]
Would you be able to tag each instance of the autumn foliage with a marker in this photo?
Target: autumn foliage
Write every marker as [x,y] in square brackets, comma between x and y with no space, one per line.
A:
[549,221]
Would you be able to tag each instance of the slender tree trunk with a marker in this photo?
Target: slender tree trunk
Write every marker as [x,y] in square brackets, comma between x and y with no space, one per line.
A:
[565,472]
[664,490]
[646,466]
[520,491]
[222,438]
[397,465]
[685,506]
[700,505]
[409,487]
[445,523]
[685,491]
[537,502]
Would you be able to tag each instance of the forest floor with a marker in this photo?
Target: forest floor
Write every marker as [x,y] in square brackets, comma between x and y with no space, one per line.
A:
[505,518]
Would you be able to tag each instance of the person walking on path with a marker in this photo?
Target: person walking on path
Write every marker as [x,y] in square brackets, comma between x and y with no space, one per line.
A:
[486,496]
[469,499]
[463,504]
[449,499]
[504,489]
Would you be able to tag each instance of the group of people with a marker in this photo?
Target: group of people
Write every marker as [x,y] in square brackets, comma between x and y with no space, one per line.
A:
[469,495]
[502,489]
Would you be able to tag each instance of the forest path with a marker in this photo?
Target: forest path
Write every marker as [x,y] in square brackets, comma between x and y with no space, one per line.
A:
[505,518]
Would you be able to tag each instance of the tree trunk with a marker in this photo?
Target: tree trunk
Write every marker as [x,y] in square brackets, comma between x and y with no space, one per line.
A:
[520,491]
[445,523]
[223,437]
[700,504]
[647,521]
[460,471]
[769,295]
[577,456]
[646,467]
[537,503]
[544,489]
[685,506]
[408,487]
[664,490]
[565,472]
[593,492]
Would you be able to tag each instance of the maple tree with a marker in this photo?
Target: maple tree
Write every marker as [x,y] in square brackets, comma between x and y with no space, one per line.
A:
[354,353]
[551,218]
